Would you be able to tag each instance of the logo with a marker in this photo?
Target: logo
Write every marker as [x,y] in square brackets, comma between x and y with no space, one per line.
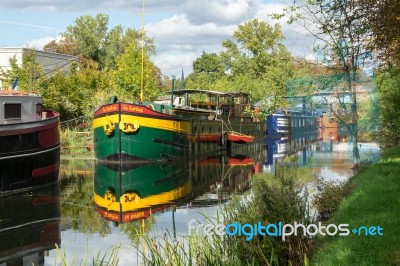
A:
[280,230]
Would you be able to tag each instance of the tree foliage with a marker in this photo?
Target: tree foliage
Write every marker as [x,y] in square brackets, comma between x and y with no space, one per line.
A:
[89,34]
[257,48]
[75,94]
[389,93]
[253,61]
[342,31]
[26,72]
[383,19]
[110,63]
[127,78]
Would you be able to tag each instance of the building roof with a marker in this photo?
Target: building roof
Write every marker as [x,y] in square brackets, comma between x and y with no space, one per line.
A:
[49,61]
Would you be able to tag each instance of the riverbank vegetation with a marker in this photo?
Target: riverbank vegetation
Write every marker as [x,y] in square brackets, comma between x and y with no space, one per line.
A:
[274,199]
[373,201]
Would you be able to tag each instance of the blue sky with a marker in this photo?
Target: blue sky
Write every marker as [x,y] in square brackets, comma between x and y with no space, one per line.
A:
[182,29]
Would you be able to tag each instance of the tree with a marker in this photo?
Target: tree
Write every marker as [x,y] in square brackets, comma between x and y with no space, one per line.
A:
[89,33]
[207,69]
[76,94]
[62,47]
[342,31]
[128,75]
[389,92]
[254,61]
[383,19]
[96,45]
[257,48]
[112,48]
[210,64]
[115,43]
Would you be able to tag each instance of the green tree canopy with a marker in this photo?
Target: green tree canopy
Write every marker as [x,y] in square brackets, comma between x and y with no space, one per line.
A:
[257,47]
[383,19]
[127,78]
[253,61]
[89,33]
[96,44]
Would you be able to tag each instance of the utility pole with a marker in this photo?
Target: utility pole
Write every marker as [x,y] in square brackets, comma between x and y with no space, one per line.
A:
[30,79]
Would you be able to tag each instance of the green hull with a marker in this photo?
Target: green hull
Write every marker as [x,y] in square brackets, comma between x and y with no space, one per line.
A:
[150,136]
[148,145]
[148,180]
[155,136]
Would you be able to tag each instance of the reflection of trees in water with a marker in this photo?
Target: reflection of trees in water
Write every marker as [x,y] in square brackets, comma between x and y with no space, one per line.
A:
[77,211]
[349,97]
[136,228]
[301,175]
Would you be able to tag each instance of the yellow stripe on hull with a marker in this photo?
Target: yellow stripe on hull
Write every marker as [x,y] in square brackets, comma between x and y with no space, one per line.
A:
[101,121]
[142,203]
[164,124]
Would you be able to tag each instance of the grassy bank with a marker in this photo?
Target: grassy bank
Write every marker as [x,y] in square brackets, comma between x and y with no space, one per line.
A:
[374,200]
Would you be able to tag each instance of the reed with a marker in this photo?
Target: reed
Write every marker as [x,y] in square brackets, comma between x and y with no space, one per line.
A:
[109,258]
[270,203]
[75,142]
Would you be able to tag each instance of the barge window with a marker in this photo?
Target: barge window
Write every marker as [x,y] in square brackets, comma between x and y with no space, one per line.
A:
[12,111]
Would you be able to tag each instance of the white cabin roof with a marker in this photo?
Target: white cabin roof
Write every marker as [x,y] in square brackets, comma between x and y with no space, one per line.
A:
[18,106]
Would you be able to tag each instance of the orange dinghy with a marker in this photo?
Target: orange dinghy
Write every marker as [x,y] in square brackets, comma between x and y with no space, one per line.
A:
[239,138]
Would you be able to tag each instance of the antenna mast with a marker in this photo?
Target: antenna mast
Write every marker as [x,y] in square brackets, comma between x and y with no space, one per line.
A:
[142,74]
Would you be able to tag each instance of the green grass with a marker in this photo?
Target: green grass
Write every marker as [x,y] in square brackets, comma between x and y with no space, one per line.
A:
[374,200]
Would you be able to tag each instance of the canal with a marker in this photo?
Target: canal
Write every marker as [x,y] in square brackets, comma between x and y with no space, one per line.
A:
[95,207]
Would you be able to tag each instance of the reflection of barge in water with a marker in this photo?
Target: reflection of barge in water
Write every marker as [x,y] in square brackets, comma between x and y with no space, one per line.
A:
[329,128]
[126,192]
[29,226]
[289,132]
[132,194]
[30,142]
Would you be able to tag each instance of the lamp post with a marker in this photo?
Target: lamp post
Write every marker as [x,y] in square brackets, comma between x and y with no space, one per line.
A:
[172,92]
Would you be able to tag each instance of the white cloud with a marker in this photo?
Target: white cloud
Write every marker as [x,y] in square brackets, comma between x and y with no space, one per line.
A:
[40,43]
[172,64]
[179,42]
[223,12]
[184,29]
[178,32]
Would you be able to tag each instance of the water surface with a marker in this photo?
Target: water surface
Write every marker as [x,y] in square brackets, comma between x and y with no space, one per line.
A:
[81,214]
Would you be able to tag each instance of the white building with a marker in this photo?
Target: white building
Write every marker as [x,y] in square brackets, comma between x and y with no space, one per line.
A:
[50,62]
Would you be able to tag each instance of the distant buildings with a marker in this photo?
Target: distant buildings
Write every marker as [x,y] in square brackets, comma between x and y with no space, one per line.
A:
[50,62]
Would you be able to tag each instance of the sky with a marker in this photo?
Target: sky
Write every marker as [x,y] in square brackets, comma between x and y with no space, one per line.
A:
[182,29]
